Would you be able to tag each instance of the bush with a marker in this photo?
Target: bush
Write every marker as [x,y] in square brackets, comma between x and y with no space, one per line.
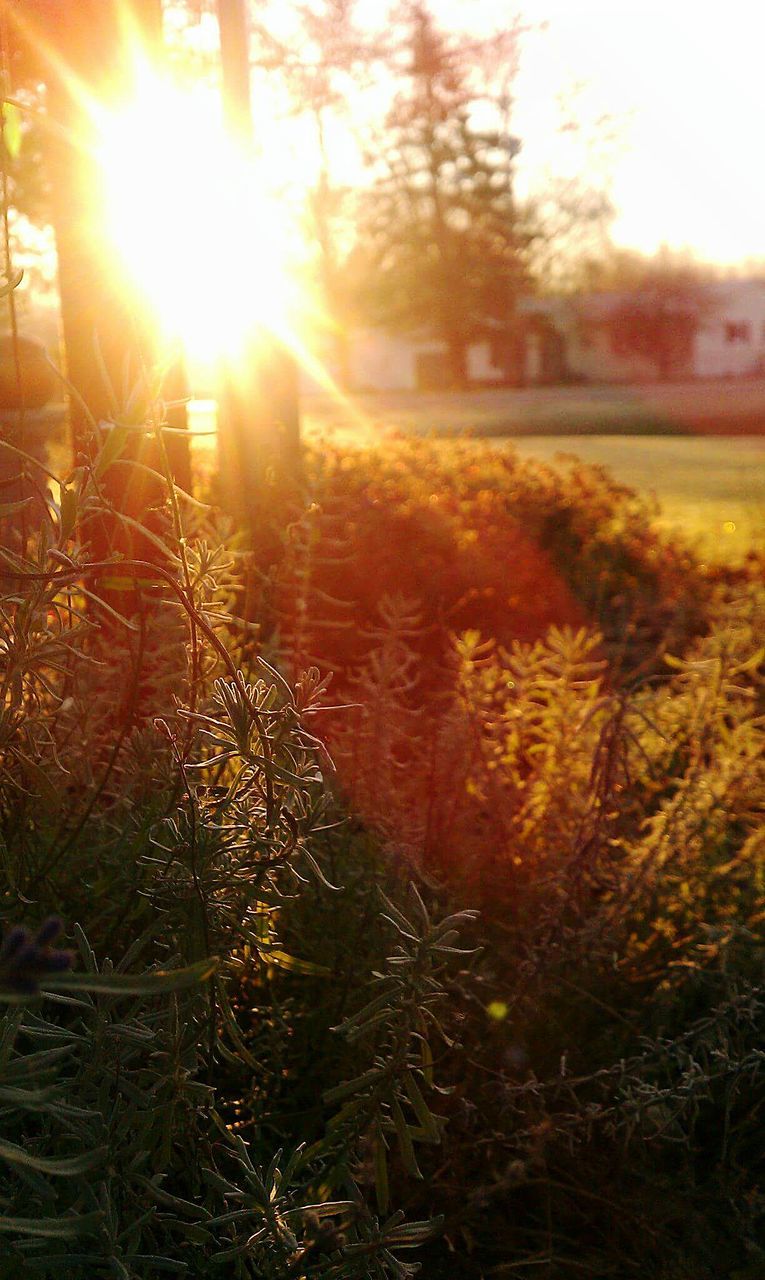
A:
[165,791]
[598,793]
[260,1050]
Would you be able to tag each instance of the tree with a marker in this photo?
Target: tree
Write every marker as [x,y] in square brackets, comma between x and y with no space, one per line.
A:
[441,244]
[341,58]
[658,321]
[570,207]
[84,56]
[259,422]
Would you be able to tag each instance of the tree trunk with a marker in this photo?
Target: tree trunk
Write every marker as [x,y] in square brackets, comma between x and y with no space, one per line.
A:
[259,421]
[109,339]
[457,353]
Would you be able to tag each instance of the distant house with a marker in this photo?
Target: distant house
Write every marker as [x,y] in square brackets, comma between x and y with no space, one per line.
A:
[582,339]
[726,338]
[731,341]
[533,353]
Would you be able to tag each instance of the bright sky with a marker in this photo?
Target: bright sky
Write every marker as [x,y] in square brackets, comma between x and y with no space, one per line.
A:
[667,94]
[681,82]
[683,79]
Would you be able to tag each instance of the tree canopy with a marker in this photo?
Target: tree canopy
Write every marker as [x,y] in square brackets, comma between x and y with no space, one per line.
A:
[441,246]
[659,320]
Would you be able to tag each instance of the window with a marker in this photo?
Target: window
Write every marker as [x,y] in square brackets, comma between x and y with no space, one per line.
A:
[737,331]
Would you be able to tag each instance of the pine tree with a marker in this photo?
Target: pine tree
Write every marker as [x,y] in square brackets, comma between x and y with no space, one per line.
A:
[441,249]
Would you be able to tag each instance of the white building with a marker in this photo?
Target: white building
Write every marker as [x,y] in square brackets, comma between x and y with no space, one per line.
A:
[379,361]
[728,340]
[731,339]
[560,339]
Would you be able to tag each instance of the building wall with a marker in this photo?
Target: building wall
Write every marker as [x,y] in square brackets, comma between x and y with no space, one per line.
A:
[731,341]
[593,359]
[382,362]
[481,367]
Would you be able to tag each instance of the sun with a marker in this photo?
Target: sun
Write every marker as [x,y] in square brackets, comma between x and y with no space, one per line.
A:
[192,219]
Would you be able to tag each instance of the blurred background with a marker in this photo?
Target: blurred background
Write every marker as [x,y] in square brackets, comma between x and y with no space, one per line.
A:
[539,223]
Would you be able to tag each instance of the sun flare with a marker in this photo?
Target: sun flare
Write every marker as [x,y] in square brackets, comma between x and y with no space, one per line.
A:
[192,220]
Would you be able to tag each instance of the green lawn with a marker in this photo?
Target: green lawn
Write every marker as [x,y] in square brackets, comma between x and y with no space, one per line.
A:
[710,487]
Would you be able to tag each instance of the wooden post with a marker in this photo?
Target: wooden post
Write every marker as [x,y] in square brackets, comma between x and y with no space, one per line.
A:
[259,423]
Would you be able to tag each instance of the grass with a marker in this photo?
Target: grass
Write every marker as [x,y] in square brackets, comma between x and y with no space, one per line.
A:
[722,407]
[710,488]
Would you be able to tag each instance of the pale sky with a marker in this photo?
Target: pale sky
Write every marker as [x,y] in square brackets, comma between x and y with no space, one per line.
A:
[680,83]
[684,81]
[681,80]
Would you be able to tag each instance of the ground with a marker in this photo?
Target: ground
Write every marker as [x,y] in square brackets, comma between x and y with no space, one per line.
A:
[733,407]
[712,486]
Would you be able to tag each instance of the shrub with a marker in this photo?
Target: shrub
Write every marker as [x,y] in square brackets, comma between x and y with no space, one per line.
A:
[163,788]
[600,797]
[291,1066]
[482,541]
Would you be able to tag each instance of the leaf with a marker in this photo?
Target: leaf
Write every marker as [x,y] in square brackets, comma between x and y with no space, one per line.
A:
[324,1209]
[233,1030]
[53,1228]
[147,533]
[404,1140]
[11,129]
[384,1001]
[751,664]
[116,439]
[421,1108]
[427,1058]
[410,1235]
[31,1098]
[273,770]
[85,949]
[278,679]
[350,1087]
[338,1120]
[67,1167]
[197,1234]
[381,1172]
[68,512]
[116,584]
[10,508]
[396,918]
[293,964]
[140,984]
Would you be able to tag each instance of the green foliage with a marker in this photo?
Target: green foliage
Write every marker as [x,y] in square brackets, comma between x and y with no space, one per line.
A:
[599,794]
[160,784]
[441,243]
[275,1056]
[409,546]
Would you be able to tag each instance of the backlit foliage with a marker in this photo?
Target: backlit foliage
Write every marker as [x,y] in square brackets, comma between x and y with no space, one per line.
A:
[258,1050]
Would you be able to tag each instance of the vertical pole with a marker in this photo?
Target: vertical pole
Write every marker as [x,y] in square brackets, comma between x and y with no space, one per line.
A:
[259,423]
[235,63]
